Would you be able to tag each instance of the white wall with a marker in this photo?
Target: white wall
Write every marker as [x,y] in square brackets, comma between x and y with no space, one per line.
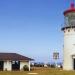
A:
[69,48]
[7,65]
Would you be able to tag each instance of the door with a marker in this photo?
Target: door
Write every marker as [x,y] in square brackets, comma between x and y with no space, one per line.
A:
[15,65]
[1,65]
[74,64]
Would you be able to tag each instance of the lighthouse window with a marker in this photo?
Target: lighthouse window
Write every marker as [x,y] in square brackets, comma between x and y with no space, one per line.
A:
[68,30]
[66,21]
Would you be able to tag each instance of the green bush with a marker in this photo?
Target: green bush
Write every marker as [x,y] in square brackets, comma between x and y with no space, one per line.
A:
[25,68]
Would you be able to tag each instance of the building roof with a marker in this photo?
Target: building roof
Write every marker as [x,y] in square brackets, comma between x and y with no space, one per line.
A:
[14,57]
[71,9]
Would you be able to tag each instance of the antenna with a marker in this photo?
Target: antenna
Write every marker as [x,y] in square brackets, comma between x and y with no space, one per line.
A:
[72,4]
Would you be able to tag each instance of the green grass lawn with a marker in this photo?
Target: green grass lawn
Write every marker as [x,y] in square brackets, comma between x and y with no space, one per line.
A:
[40,71]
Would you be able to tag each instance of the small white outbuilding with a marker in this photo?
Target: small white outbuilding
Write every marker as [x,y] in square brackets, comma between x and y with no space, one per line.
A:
[13,61]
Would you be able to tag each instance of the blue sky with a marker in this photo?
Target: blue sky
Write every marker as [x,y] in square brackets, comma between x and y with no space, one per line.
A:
[32,27]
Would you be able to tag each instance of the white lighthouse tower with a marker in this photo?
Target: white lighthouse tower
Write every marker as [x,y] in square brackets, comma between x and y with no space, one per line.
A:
[69,39]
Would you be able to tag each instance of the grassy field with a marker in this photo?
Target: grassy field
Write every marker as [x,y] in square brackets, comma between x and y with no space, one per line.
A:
[39,71]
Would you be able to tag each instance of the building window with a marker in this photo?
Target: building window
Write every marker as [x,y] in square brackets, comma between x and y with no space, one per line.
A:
[13,62]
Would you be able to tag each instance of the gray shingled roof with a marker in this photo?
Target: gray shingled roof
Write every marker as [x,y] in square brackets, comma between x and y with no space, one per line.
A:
[13,56]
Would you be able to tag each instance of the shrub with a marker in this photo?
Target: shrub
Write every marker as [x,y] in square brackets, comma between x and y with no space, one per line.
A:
[25,68]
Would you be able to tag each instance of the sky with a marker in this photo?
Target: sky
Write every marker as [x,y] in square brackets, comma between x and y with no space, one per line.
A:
[32,28]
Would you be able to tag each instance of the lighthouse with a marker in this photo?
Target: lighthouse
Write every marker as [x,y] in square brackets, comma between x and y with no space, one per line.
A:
[69,38]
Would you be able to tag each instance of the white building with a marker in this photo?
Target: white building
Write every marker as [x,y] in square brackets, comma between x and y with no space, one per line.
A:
[13,61]
[69,39]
